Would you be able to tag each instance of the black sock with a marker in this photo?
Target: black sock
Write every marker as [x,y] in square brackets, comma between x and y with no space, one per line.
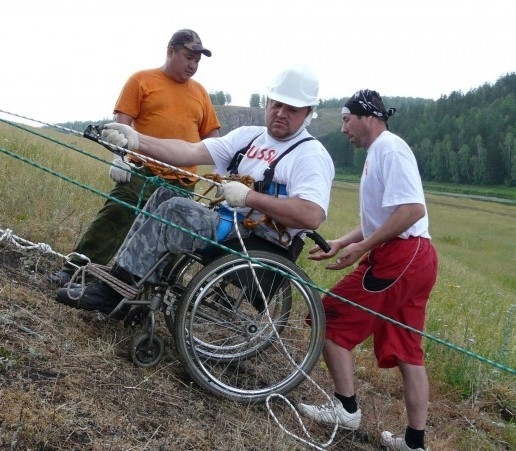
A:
[348,402]
[415,438]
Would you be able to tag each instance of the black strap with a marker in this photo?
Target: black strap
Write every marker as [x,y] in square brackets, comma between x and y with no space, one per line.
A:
[237,158]
[263,186]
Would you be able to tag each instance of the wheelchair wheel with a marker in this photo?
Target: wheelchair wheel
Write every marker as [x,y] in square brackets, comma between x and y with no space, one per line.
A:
[240,347]
[146,353]
[180,275]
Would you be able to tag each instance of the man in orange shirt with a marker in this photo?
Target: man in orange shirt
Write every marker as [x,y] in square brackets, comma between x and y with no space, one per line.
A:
[164,102]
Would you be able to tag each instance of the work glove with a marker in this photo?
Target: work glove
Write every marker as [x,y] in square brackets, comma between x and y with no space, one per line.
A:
[120,135]
[235,193]
[119,170]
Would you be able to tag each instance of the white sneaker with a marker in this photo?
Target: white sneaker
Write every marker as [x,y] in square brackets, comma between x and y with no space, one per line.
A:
[329,414]
[397,442]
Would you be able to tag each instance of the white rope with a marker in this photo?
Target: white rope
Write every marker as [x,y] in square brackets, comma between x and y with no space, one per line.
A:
[21,243]
[118,149]
[308,441]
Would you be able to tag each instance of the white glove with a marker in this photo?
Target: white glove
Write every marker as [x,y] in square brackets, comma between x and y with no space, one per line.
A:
[117,172]
[120,135]
[235,193]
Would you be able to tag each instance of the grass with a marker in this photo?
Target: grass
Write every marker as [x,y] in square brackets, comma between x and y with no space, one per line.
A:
[498,192]
[74,388]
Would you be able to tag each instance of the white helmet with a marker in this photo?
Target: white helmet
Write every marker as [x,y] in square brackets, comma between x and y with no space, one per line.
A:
[296,86]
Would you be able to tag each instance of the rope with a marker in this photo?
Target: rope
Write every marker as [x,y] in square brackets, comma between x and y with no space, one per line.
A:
[286,353]
[8,235]
[113,148]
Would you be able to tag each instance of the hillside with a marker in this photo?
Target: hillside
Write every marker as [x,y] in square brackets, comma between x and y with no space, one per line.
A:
[231,117]
[463,139]
[66,383]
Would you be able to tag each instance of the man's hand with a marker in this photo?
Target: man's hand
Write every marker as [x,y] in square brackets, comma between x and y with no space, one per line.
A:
[120,135]
[349,255]
[316,253]
[235,193]
[117,170]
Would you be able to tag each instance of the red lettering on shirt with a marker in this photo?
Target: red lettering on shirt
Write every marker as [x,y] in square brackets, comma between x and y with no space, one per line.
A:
[261,154]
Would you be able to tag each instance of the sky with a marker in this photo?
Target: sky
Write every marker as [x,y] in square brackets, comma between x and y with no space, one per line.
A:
[66,60]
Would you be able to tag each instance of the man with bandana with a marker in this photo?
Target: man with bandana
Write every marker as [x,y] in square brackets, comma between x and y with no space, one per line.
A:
[396,272]
[297,197]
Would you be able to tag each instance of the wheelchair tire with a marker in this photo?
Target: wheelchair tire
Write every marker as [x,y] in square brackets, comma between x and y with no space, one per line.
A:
[147,352]
[180,275]
[235,347]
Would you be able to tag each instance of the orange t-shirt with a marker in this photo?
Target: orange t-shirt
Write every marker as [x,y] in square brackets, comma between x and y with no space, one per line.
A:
[164,108]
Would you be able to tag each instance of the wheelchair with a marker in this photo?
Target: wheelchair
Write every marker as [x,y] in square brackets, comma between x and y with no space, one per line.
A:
[244,325]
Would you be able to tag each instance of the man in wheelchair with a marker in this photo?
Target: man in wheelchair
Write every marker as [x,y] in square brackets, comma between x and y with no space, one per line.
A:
[293,196]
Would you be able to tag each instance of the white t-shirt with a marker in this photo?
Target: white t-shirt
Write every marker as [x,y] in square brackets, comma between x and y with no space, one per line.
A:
[307,171]
[390,178]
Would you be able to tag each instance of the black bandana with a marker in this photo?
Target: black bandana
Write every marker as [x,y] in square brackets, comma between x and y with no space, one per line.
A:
[367,103]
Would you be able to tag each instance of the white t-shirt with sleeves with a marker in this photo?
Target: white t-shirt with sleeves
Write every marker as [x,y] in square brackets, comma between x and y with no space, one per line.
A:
[390,178]
[307,171]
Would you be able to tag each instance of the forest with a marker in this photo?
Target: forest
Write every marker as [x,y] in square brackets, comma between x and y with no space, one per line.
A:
[460,138]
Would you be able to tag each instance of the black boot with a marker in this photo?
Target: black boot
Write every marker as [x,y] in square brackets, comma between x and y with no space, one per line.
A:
[123,275]
[98,296]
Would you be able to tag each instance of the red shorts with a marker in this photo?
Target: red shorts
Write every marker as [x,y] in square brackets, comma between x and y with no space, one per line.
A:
[395,280]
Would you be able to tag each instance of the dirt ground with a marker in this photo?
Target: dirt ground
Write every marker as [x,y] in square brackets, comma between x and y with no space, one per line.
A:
[66,383]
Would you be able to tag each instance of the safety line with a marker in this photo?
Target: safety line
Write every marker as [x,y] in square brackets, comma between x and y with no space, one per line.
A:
[111,147]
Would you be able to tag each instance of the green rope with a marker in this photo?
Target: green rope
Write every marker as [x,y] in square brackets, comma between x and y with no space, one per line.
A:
[56,141]
[247,257]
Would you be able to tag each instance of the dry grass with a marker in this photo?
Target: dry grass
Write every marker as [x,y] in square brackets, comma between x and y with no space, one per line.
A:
[67,383]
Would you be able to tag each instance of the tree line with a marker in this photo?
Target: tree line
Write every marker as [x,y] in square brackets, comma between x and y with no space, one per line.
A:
[459,138]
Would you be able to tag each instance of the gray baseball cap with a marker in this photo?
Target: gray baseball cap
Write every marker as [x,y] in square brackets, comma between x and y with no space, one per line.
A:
[189,39]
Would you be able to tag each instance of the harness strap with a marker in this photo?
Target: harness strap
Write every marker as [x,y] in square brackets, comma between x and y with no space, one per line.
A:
[263,186]
[237,158]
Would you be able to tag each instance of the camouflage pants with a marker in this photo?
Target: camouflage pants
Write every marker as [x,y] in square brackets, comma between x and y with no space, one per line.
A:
[149,239]
[107,231]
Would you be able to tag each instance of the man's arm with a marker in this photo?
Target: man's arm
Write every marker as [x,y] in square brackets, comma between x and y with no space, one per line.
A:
[403,217]
[172,151]
[123,118]
[290,212]
[213,134]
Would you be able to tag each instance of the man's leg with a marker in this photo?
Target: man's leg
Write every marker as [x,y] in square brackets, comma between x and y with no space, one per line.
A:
[153,238]
[343,408]
[416,392]
[340,365]
[106,232]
